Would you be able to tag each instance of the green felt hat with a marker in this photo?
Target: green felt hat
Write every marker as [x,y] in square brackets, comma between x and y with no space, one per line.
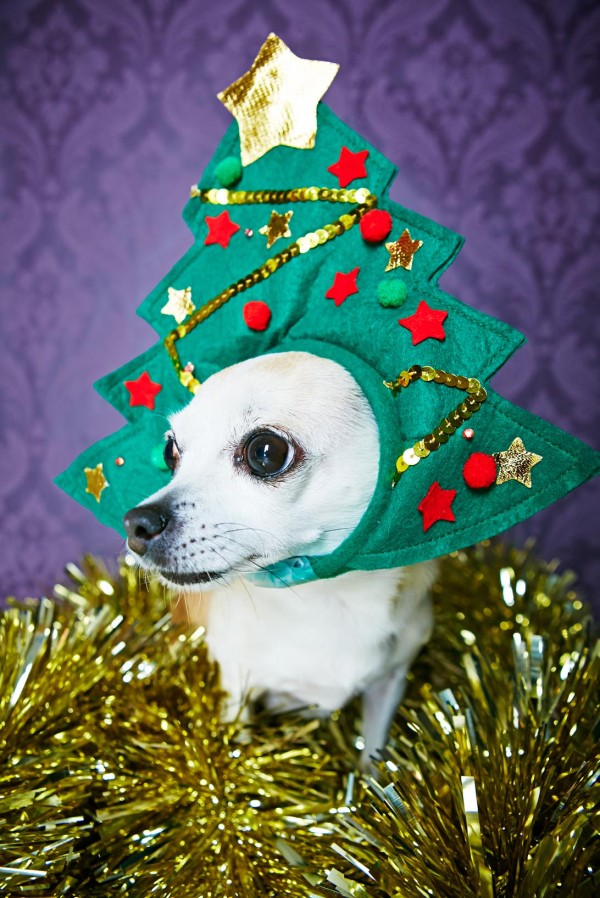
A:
[350,276]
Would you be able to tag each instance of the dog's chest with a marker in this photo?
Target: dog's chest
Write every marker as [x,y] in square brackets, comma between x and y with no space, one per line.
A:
[321,643]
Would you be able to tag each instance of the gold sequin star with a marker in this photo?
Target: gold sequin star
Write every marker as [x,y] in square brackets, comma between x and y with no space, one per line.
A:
[402,251]
[96,481]
[278,226]
[179,304]
[275,102]
[516,463]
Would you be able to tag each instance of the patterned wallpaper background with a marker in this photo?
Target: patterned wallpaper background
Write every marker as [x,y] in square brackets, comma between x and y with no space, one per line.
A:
[490,108]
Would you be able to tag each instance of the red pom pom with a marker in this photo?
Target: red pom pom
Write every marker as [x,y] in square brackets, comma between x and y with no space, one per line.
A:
[479,471]
[376,225]
[257,315]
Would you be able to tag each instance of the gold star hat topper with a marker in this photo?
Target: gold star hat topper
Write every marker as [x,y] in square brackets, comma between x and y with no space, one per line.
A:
[465,462]
[275,102]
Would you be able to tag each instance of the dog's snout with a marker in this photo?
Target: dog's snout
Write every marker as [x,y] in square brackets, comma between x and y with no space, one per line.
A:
[143,524]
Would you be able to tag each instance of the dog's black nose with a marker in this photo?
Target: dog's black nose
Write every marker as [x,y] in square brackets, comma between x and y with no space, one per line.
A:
[143,524]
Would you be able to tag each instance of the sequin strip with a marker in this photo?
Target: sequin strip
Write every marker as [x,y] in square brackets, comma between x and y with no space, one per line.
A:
[439,435]
[304,244]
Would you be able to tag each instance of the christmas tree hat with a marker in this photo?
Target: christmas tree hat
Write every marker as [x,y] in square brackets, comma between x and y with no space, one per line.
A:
[298,247]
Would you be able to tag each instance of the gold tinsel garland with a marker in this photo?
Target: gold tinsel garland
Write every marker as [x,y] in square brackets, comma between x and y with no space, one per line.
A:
[118,777]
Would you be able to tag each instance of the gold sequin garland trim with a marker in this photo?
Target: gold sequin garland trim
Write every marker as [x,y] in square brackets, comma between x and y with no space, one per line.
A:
[439,435]
[304,244]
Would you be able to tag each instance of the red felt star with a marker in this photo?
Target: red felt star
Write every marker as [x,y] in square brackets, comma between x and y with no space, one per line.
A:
[143,390]
[344,285]
[436,506]
[349,166]
[220,229]
[425,323]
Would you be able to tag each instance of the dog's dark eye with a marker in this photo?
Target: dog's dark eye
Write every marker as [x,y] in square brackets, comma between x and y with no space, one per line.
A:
[171,454]
[267,453]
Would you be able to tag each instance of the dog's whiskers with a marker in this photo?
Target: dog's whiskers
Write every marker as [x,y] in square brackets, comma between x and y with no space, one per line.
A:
[241,529]
[236,568]
[245,527]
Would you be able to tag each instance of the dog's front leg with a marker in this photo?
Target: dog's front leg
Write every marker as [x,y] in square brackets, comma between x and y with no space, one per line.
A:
[195,609]
[379,702]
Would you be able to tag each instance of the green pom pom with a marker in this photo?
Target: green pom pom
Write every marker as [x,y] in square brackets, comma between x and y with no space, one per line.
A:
[157,457]
[229,170]
[391,294]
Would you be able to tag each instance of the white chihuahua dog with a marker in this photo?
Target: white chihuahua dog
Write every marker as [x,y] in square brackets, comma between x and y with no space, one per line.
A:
[277,457]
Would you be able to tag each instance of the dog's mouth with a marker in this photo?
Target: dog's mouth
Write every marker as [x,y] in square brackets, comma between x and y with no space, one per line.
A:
[197,577]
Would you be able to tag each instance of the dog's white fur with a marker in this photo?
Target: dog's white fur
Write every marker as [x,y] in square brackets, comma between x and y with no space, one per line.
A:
[318,643]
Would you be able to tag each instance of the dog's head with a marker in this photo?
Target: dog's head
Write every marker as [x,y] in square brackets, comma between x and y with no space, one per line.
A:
[275,457]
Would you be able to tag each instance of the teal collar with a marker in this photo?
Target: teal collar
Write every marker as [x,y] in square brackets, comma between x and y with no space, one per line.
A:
[290,572]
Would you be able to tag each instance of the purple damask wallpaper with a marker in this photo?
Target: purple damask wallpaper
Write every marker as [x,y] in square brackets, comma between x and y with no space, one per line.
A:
[490,108]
